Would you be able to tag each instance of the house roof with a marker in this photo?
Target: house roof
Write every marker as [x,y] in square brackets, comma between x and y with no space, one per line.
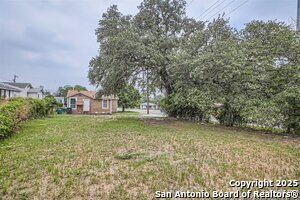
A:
[19,85]
[35,90]
[91,94]
[8,87]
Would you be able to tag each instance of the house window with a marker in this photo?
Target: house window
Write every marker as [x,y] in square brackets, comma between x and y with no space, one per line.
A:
[73,102]
[104,103]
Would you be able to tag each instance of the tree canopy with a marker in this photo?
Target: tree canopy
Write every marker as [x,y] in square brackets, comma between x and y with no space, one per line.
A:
[63,90]
[129,97]
[242,77]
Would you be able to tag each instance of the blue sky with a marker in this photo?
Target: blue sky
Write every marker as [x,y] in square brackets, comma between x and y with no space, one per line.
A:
[50,42]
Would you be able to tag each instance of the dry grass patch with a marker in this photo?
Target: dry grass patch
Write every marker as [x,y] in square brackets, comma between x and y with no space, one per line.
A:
[107,157]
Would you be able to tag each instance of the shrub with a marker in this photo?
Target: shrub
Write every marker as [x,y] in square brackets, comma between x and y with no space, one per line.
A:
[188,104]
[15,110]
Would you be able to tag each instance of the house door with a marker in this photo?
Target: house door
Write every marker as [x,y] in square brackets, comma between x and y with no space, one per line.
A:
[79,108]
[86,105]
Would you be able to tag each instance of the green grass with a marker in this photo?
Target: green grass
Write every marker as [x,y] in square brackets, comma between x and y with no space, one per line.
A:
[126,113]
[113,157]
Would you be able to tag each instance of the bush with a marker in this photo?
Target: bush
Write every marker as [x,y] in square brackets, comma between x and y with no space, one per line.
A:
[228,115]
[190,104]
[15,110]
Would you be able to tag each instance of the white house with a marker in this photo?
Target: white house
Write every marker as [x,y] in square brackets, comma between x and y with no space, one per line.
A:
[37,93]
[7,91]
[152,106]
[26,90]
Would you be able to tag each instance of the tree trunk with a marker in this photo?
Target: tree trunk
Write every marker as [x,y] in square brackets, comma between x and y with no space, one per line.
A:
[123,108]
[147,92]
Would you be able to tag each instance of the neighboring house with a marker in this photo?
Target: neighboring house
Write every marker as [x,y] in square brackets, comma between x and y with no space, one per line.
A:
[60,100]
[7,91]
[86,102]
[152,106]
[23,87]
[37,93]
[26,90]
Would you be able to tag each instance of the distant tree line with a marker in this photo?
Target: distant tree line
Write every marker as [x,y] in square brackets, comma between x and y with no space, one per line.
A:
[63,90]
[248,76]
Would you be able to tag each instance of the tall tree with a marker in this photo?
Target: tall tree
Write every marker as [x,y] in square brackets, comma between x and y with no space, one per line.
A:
[115,64]
[143,44]
[247,76]
[273,63]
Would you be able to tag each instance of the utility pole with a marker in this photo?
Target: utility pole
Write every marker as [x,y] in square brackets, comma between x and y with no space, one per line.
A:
[298,16]
[15,78]
[147,82]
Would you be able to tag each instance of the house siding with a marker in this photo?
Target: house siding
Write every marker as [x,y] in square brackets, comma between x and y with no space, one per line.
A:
[38,95]
[23,93]
[95,106]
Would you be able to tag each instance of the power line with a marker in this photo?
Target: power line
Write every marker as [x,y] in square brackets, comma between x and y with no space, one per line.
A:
[213,9]
[236,8]
[221,9]
[208,9]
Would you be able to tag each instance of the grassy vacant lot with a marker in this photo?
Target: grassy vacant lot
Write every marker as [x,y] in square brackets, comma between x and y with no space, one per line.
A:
[109,157]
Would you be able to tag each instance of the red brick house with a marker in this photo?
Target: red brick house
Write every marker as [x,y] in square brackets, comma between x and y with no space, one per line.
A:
[86,102]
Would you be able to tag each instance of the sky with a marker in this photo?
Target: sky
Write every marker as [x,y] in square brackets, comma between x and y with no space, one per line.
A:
[50,42]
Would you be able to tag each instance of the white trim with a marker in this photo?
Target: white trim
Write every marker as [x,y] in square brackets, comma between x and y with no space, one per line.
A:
[106,107]
[75,102]
[110,106]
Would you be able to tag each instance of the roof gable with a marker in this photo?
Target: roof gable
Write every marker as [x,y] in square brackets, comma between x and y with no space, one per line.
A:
[19,85]
[91,94]
[8,87]
[35,90]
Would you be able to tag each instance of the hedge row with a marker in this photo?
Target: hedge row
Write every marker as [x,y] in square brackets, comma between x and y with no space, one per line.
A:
[15,110]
